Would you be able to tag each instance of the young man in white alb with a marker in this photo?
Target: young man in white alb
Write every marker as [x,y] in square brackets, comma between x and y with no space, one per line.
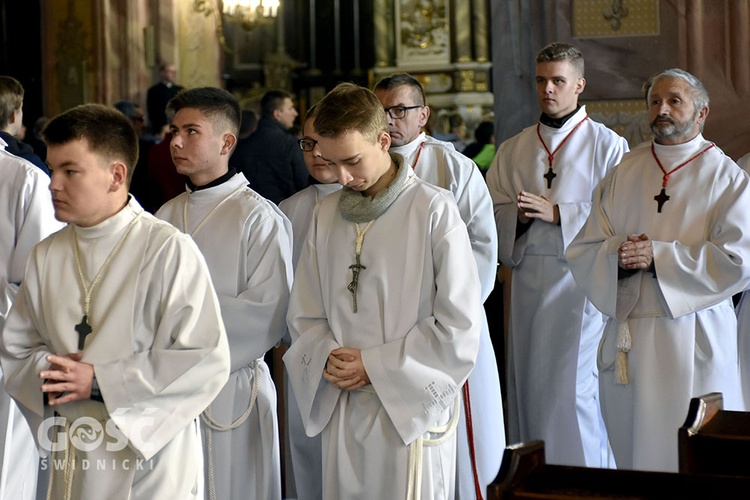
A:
[384,317]
[116,331]
[246,241]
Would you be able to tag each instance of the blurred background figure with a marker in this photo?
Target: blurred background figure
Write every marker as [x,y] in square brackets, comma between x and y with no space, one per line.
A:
[11,121]
[482,151]
[158,96]
[139,185]
[271,158]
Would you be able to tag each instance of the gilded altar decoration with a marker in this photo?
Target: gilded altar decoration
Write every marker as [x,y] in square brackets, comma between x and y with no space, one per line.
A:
[423,31]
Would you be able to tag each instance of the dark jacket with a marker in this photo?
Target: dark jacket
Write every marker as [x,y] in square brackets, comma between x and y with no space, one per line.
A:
[272,161]
[157,98]
[19,148]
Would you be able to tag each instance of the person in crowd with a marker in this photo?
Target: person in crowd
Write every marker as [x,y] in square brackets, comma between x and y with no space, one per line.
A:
[541,183]
[11,121]
[481,444]
[247,243]
[664,249]
[139,186]
[482,151]
[270,158]
[158,95]
[115,331]
[305,480]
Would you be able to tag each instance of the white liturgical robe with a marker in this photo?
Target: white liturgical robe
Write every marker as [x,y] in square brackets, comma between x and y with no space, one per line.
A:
[438,163]
[744,162]
[27,218]
[305,479]
[158,348]
[682,329]
[417,324]
[554,330]
[246,241]
[299,209]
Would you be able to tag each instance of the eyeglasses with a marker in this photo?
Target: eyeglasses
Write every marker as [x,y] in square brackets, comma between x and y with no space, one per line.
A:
[399,112]
[307,145]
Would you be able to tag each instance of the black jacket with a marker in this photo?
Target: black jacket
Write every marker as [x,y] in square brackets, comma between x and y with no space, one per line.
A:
[272,161]
[19,148]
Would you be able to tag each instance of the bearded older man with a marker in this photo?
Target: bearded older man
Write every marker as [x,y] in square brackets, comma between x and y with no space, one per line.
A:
[662,253]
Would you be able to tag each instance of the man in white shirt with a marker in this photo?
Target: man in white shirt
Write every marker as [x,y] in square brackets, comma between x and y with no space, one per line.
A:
[116,331]
[304,471]
[385,315]
[541,183]
[663,251]
[246,241]
[28,218]
[480,444]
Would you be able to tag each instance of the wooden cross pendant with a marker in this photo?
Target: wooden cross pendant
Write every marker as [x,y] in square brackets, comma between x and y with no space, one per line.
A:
[661,199]
[549,176]
[84,329]
[352,287]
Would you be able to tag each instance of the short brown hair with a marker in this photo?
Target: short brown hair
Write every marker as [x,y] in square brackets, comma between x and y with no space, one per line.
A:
[108,133]
[349,108]
[11,98]
[273,100]
[559,51]
[399,79]
[219,105]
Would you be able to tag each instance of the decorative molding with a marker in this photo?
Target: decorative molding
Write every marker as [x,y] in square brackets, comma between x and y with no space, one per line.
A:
[422,32]
[615,18]
[628,118]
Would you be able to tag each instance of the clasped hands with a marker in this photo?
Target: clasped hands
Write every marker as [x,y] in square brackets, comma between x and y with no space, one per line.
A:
[531,206]
[67,378]
[636,253]
[345,370]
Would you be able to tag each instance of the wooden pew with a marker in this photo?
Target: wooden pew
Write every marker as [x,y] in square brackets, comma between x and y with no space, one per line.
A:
[524,474]
[713,440]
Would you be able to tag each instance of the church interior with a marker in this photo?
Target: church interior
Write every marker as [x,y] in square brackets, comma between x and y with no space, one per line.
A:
[475,58]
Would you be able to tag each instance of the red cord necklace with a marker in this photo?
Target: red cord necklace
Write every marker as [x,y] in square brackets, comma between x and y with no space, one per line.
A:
[416,160]
[551,156]
[663,197]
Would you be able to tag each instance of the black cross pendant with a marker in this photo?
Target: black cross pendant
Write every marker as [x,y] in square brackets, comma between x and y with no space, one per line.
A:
[352,287]
[549,176]
[661,199]
[83,328]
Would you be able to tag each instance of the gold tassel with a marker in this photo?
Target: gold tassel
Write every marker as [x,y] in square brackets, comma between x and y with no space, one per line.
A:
[623,347]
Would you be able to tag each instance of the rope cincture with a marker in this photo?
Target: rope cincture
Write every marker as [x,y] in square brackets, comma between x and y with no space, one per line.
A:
[213,425]
[414,481]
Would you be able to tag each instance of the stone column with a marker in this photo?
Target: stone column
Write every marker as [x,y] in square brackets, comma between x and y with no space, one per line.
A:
[462,30]
[480,17]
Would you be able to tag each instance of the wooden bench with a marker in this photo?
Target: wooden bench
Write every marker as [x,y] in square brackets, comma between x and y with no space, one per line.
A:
[713,440]
[524,474]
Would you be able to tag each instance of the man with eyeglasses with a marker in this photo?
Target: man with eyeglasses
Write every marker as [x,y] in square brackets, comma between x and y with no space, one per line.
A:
[305,482]
[481,442]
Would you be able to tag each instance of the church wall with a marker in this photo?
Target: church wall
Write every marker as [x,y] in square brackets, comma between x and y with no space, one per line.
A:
[109,50]
[708,38]
[100,52]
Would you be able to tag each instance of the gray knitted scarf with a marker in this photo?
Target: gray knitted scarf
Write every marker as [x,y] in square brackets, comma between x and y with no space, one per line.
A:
[358,208]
